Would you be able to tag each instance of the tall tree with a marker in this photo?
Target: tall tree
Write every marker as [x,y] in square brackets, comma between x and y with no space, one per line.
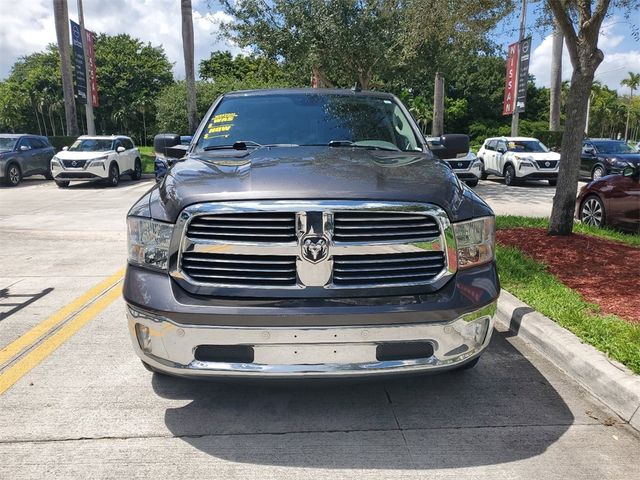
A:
[61,16]
[189,67]
[347,41]
[633,82]
[580,22]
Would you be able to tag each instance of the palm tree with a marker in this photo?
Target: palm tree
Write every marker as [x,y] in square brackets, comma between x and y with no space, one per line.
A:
[189,68]
[61,16]
[633,82]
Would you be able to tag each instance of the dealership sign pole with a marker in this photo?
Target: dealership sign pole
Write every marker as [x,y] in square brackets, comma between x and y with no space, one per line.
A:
[516,109]
[84,79]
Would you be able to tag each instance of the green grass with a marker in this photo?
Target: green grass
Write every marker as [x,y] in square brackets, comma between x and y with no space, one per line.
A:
[533,284]
[512,221]
[146,154]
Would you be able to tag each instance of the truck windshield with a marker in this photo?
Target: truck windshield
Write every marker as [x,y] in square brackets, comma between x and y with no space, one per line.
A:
[91,145]
[7,144]
[300,119]
[530,146]
[612,147]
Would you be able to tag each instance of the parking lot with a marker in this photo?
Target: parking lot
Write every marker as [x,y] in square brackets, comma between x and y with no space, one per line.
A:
[78,403]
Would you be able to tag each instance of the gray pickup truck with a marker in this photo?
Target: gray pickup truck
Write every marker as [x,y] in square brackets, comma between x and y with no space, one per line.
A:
[310,233]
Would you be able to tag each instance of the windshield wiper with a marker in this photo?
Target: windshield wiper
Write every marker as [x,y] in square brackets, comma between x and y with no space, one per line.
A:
[239,145]
[349,143]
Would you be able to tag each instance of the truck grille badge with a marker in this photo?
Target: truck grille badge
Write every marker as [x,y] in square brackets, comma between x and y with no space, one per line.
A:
[315,249]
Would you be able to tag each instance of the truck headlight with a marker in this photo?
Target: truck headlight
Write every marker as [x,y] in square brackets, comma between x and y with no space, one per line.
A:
[148,242]
[475,241]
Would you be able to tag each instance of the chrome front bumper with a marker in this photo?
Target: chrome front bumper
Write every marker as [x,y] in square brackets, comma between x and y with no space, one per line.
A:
[84,174]
[283,352]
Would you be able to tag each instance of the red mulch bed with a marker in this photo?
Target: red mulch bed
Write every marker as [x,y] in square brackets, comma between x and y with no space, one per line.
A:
[604,272]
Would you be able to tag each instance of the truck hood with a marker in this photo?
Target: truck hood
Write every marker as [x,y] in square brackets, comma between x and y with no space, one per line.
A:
[308,173]
[66,155]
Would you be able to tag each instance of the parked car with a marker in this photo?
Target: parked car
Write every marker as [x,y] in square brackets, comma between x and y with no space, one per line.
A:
[310,233]
[519,159]
[467,166]
[612,200]
[161,163]
[22,156]
[601,156]
[97,158]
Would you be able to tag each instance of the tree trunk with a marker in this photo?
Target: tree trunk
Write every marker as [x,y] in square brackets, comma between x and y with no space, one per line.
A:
[35,109]
[437,127]
[626,127]
[61,15]
[189,69]
[556,80]
[561,221]
[53,125]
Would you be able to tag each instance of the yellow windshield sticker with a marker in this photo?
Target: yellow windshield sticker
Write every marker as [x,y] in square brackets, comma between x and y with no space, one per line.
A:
[220,128]
[224,117]
[207,136]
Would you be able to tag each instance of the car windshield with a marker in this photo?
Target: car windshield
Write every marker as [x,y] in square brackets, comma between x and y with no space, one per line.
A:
[7,143]
[294,119]
[91,145]
[528,146]
[612,147]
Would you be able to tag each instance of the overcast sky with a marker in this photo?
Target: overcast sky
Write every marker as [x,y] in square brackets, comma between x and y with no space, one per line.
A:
[158,22]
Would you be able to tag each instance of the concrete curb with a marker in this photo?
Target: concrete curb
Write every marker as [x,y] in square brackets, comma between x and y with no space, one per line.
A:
[609,381]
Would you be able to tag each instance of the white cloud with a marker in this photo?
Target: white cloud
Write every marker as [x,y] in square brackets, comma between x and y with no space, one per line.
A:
[155,21]
[611,71]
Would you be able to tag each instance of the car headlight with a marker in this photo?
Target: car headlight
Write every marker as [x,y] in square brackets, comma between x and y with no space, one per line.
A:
[475,241]
[148,242]
[55,160]
[98,162]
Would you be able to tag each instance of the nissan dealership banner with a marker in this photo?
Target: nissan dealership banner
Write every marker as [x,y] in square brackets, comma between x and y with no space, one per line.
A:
[510,85]
[78,62]
[524,53]
[91,60]
[515,87]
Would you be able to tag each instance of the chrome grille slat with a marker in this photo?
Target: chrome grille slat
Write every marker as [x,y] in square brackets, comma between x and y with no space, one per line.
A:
[358,227]
[385,269]
[238,270]
[239,227]
[393,268]
[250,227]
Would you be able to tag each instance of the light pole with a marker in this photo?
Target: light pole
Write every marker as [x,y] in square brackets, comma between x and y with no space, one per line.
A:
[91,128]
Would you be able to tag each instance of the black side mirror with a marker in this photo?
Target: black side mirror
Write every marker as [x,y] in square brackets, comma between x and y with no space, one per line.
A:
[501,150]
[168,146]
[589,151]
[450,146]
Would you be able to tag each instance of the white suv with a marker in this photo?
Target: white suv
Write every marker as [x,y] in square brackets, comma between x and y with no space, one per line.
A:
[518,159]
[97,158]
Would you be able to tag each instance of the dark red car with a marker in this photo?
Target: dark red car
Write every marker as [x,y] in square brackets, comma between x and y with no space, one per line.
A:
[612,200]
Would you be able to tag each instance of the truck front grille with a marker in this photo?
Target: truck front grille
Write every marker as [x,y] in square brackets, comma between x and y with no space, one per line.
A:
[321,248]
[370,227]
[241,270]
[389,269]
[276,227]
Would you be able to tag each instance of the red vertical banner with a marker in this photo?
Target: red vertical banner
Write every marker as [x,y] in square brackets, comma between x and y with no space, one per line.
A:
[510,84]
[91,59]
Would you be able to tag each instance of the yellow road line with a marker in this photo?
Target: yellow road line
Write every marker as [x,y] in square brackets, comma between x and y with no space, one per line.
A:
[29,338]
[48,346]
